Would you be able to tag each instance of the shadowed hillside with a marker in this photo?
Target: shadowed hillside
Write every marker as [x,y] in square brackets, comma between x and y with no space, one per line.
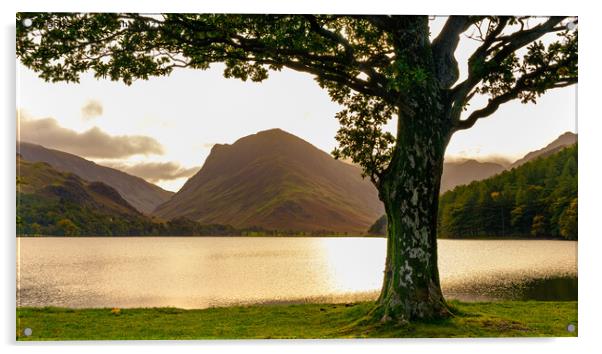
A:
[61,203]
[142,195]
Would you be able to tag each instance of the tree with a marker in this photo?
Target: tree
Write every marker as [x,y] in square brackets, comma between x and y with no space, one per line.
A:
[500,200]
[568,221]
[377,67]
[36,229]
[538,227]
[19,218]
[67,227]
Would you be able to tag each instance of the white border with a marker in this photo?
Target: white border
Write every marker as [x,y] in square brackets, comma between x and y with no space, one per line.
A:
[589,170]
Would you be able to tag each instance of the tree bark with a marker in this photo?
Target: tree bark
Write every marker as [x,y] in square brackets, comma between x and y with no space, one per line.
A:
[410,192]
[409,186]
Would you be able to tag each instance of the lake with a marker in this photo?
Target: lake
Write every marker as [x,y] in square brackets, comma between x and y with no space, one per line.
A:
[200,272]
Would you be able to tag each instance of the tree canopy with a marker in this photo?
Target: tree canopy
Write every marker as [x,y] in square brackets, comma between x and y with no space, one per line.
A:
[372,65]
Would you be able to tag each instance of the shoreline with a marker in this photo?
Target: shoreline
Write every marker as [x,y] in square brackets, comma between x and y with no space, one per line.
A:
[309,321]
[510,238]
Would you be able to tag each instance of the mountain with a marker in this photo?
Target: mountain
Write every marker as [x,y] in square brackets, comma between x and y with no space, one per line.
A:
[142,195]
[276,180]
[61,203]
[51,202]
[563,141]
[464,172]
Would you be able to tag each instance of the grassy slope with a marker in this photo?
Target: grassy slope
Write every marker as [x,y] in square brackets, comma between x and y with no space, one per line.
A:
[36,176]
[277,181]
[141,194]
[45,196]
[292,321]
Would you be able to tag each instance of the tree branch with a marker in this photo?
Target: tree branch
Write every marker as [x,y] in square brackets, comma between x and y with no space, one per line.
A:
[444,47]
[480,66]
[332,36]
[350,54]
[519,39]
[525,83]
[479,56]
[327,67]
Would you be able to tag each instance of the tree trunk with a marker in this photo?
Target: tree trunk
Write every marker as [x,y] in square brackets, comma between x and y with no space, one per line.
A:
[409,186]
[410,193]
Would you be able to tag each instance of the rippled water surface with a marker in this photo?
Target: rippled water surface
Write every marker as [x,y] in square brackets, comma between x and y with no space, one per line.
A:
[193,272]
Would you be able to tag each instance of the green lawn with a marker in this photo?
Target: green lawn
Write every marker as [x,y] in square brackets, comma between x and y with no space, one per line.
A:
[491,319]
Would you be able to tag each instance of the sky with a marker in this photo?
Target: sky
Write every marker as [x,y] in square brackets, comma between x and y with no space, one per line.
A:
[163,129]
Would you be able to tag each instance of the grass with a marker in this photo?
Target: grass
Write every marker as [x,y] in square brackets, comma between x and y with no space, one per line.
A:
[491,319]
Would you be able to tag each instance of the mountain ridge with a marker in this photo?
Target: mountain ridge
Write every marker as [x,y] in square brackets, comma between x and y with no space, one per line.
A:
[144,196]
[564,140]
[54,202]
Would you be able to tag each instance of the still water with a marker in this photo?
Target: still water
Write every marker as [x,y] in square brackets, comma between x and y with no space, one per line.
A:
[193,272]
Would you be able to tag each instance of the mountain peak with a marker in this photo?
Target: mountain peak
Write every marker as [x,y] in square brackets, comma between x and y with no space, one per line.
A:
[567,135]
[273,131]
[276,180]
[275,134]
[264,138]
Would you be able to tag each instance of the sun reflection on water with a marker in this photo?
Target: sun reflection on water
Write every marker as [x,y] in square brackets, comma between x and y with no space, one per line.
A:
[202,272]
[355,265]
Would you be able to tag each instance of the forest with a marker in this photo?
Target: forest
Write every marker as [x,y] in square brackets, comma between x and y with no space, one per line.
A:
[40,216]
[535,200]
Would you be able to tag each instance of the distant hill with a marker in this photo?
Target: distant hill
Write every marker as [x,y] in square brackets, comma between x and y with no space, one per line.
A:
[141,194]
[61,203]
[459,173]
[563,141]
[464,172]
[276,180]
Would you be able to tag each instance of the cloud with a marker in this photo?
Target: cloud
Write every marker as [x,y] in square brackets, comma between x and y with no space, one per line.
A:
[93,143]
[91,109]
[156,171]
